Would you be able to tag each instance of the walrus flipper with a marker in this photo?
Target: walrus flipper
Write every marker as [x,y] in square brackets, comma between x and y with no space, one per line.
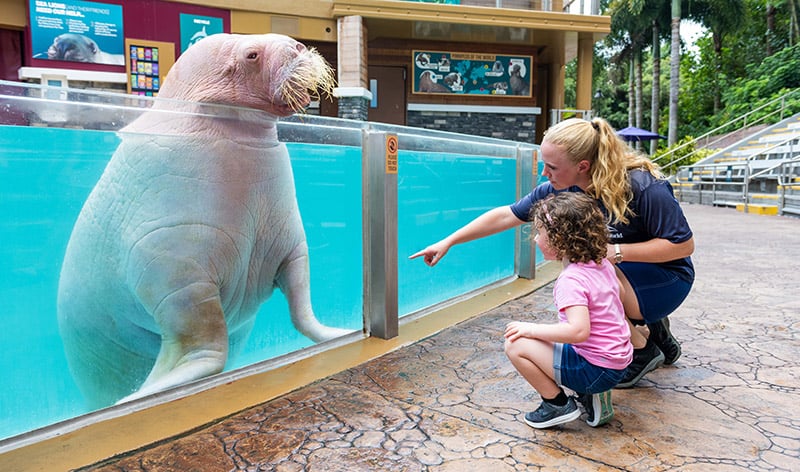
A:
[293,280]
[194,335]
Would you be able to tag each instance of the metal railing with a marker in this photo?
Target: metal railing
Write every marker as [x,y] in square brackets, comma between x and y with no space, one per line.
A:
[728,189]
[557,115]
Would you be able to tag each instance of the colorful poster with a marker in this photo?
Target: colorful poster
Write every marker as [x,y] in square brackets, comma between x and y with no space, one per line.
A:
[144,70]
[77,31]
[472,74]
[194,28]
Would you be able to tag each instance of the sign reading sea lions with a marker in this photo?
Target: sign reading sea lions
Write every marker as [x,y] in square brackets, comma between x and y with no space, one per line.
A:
[465,73]
[77,31]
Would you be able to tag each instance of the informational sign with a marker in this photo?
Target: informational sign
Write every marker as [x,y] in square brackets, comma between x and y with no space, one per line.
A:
[77,31]
[194,28]
[437,72]
[147,64]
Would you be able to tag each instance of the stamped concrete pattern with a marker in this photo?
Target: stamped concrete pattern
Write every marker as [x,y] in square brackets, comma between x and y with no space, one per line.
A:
[452,402]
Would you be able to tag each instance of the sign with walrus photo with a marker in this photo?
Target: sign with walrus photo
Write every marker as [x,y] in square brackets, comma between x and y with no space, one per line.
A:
[466,73]
[77,31]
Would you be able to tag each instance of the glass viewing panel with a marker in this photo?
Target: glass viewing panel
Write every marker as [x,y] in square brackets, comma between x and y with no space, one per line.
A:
[53,152]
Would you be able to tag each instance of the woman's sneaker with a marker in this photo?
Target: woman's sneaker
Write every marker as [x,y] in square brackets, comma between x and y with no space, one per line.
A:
[548,415]
[644,360]
[661,335]
[598,408]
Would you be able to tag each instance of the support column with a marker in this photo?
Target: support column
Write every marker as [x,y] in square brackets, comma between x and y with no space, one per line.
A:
[583,92]
[379,214]
[525,254]
[352,92]
[558,73]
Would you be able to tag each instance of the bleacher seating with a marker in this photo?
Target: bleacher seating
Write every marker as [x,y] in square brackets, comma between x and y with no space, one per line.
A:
[759,173]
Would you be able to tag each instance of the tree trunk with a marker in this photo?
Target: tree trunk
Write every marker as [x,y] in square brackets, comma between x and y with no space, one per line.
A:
[770,26]
[631,94]
[717,38]
[655,96]
[674,72]
[637,54]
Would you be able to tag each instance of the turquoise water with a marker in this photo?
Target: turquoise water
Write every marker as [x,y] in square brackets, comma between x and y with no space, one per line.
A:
[47,173]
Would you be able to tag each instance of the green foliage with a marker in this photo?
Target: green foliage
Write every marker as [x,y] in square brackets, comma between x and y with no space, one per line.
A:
[774,76]
[684,154]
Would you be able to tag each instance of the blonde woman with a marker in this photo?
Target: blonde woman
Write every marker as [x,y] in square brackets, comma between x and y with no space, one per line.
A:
[650,244]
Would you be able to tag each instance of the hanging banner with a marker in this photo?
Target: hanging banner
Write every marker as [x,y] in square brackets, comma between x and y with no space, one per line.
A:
[77,31]
[437,72]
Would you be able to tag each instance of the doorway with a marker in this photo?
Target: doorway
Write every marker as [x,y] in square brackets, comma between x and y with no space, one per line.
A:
[388,87]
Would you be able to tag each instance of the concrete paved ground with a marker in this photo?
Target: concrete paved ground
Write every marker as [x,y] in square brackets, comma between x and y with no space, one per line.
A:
[452,402]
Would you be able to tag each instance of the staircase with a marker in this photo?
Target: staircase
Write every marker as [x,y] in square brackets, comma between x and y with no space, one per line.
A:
[758,174]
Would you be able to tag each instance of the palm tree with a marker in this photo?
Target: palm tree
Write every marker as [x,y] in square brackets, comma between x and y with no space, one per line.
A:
[655,98]
[721,17]
[674,72]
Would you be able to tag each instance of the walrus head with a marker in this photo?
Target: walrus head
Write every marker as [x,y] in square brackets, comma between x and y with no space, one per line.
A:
[269,72]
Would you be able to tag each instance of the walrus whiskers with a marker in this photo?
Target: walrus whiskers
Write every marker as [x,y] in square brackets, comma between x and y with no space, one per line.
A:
[310,74]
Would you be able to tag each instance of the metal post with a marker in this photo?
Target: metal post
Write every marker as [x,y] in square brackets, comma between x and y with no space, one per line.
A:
[379,212]
[746,190]
[525,254]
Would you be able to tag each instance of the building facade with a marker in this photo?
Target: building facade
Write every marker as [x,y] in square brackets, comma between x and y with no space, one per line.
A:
[485,67]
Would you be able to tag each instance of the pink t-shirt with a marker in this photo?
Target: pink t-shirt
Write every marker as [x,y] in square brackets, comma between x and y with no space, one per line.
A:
[596,287]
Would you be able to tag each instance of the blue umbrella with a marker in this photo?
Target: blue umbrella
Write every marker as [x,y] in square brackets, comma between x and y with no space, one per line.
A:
[631,133]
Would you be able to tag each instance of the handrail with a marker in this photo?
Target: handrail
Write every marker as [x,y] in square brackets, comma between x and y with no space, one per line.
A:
[781,182]
[765,151]
[782,99]
[747,178]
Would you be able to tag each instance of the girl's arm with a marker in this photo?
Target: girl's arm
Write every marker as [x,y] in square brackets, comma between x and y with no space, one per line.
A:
[575,330]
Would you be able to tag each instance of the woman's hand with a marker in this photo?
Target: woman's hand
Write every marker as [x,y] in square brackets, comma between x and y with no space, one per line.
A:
[433,253]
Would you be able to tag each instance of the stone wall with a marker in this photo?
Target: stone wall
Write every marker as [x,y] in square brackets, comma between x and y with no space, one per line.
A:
[353,108]
[514,127]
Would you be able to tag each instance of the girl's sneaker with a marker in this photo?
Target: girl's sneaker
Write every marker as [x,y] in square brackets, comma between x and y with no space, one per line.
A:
[548,415]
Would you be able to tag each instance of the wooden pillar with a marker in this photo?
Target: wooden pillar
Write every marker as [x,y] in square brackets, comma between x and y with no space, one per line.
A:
[583,92]
[352,92]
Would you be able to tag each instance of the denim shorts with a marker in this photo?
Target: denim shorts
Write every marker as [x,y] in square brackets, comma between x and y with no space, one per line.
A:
[578,374]
[658,290]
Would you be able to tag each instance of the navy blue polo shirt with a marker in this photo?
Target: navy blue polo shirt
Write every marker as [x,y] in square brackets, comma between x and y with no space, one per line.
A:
[656,214]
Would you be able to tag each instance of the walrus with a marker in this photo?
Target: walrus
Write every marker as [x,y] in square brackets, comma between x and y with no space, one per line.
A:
[192,224]
[519,86]
[428,83]
[80,48]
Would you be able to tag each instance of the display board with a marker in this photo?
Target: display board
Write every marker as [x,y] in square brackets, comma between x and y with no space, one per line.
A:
[437,72]
[147,63]
[77,31]
[195,27]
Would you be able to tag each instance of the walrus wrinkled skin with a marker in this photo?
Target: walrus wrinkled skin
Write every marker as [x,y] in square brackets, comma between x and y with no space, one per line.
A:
[192,224]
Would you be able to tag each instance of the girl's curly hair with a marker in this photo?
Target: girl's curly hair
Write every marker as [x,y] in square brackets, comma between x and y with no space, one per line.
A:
[576,228]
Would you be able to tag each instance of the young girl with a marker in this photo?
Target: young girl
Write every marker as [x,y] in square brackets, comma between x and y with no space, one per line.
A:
[589,349]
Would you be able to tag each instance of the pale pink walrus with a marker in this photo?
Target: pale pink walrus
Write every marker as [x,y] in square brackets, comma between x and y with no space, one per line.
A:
[192,224]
